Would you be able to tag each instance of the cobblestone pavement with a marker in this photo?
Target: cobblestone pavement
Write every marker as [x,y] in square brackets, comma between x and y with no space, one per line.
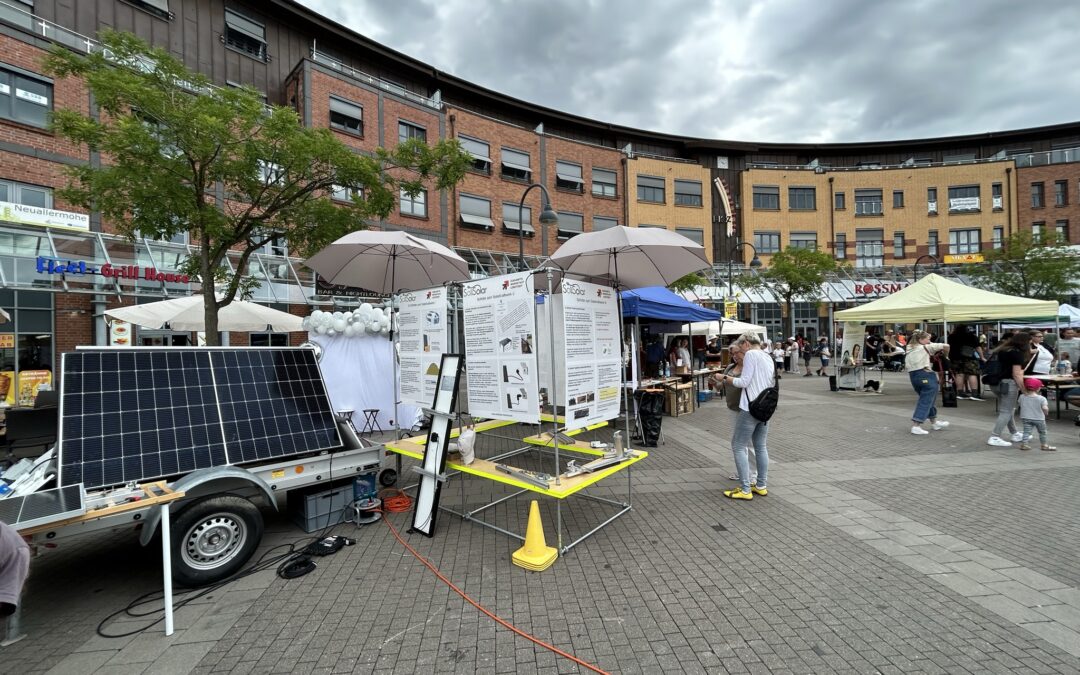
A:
[875,552]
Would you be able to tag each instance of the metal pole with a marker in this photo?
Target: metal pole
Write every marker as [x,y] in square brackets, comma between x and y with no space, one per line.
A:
[521,230]
[166,566]
[618,300]
[554,376]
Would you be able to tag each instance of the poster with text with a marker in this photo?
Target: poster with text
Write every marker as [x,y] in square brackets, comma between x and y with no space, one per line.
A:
[593,353]
[850,362]
[500,357]
[422,340]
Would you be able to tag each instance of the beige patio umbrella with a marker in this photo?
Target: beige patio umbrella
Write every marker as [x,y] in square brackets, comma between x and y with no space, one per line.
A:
[188,314]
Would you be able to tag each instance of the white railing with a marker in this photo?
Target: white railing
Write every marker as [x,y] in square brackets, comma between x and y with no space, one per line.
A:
[385,85]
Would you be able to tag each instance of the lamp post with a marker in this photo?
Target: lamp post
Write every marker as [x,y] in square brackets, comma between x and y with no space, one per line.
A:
[919,259]
[755,262]
[547,217]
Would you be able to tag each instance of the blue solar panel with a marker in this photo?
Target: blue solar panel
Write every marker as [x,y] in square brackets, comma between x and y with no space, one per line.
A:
[132,415]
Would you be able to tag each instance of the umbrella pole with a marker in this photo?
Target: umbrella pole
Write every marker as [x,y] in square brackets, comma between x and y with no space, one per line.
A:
[625,393]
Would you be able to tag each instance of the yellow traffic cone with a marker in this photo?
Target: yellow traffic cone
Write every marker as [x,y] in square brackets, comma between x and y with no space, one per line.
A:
[535,555]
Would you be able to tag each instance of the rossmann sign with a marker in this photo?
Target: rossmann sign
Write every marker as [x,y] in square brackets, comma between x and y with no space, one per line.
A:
[879,288]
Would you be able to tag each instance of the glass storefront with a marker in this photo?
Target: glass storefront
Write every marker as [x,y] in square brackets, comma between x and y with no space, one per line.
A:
[27,347]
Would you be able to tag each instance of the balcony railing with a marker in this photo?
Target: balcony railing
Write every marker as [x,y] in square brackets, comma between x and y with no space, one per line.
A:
[1059,156]
[385,85]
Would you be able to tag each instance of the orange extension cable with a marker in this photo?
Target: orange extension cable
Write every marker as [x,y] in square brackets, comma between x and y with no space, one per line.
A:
[402,499]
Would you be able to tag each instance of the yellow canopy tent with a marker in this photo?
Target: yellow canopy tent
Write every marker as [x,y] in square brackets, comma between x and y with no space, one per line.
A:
[935,298]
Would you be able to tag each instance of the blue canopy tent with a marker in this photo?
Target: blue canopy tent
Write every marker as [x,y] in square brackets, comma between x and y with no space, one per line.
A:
[657,302]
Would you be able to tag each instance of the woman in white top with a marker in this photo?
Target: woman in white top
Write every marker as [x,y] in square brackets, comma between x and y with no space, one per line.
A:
[757,375]
[924,380]
[1043,356]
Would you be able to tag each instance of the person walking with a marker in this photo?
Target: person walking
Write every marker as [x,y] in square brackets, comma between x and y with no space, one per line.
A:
[963,345]
[1014,355]
[1033,411]
[1043,356]
[793,354]
[778,357]
[924,380]
[823,356]
[758,374]
[807,354]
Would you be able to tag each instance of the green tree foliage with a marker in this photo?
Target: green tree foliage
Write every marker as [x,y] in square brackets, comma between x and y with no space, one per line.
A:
[688,282]
[792,273]
[1031,267]
[180,155]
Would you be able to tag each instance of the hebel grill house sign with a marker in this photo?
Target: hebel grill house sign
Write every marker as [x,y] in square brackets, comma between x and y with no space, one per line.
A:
[51,266]
[37,215]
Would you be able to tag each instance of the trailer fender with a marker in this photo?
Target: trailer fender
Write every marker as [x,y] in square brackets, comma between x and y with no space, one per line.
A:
[201,479]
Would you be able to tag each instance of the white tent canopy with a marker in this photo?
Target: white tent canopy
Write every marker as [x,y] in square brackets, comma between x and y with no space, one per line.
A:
[935,298]
[728,328]
[1067,317]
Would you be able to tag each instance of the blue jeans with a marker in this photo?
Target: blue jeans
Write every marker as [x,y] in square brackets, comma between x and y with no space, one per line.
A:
[1007,392]
[1033,425]
[749,430]
[925,384]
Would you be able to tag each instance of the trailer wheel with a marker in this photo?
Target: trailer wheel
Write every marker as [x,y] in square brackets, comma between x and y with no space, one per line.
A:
[213,538]
[387,477]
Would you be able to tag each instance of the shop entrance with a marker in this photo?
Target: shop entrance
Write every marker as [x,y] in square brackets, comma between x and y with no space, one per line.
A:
[27,354]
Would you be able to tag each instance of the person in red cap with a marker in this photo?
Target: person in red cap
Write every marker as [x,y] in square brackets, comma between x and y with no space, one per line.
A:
[1033,410]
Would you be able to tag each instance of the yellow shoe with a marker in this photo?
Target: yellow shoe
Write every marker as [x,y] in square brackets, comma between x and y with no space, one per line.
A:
[737,493]
[759,491]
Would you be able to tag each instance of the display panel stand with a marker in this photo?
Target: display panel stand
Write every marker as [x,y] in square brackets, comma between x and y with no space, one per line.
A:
[433,465]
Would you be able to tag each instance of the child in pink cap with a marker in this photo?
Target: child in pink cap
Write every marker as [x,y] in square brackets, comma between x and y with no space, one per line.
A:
[1033,411]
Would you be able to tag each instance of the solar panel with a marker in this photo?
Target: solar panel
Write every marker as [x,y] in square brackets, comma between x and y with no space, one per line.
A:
[136,414]
[41,508]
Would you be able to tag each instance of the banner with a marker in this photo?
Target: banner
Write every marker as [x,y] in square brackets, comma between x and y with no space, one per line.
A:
[850,357]
[500,359]
[593,354]
[120,333]
[422,340]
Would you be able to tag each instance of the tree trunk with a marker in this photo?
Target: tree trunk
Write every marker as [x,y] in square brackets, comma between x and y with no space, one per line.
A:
[210,308]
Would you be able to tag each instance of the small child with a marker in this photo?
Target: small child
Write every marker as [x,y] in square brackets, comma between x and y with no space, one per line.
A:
[1033,411]
[1064,366]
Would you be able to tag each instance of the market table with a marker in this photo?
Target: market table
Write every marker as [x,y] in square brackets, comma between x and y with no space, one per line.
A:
[1056,381]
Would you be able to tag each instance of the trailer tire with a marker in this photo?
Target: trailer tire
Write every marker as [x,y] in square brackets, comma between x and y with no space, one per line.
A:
[388,477]
[213,538]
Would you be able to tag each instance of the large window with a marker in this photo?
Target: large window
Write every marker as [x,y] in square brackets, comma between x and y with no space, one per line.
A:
[30,336]
[480,152]
[868,203]
[408,130]
[806,240]
[515,165]
[568,177]
[476,212]
[603,223]
[802,198]
[245,35]
[841,246]
[1061,193]
[342,193]
[25,99]
[931,201]
[767,242]
[512,220]
[1038,195]
[693,234]
[869,248]
[28,195]
[570,224]
[414,206]
[650,189]
[604,183]
[1038,229]
[964,199]
[346,116]
[962,242]
[688,193]
[767,197]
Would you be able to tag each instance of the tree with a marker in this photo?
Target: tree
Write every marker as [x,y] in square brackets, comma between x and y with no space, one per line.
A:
[688,282]
[180,155]
[792,273]
[1030,266]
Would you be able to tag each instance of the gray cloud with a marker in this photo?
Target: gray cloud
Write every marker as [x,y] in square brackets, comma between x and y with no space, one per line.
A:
[771,70]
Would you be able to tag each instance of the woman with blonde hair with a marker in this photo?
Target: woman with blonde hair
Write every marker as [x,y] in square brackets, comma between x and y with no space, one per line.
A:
[924,380]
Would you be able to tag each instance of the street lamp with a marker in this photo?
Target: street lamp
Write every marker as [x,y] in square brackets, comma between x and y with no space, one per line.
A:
[755,262]
[547,217]
[919,259]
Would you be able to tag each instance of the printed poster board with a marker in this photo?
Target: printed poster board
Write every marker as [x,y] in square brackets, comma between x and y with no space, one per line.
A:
[593,355]
[500,358]
[423,338]
[120,333]
[850,358]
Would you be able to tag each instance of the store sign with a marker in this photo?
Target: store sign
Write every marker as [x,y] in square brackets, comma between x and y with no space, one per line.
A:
[879,288]
[7,341]
[42,217]
[324,288]
[52,266]
[965,258]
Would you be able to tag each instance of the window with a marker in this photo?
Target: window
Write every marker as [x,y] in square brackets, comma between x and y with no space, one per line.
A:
[841,246]
[869,248]
[965,157]
[604,183]
[995,196]
[1038,198]
[479,151]
[32,349]
[346,116]
[687,193]
[512,221]
[415,205]
[27,195]
[408,130]
[868,203]
[346,194]
[898,199]
[570,224]
[1061,193]
[157,7]
[515,165]
[602,223]
[692,233]
[274,245]
[767,197]
[1038,228]
[476,212]
[767,242]
[271,173]
[839,203]
[964,199]
[868,165]
[25,99]
[962,242]
[568,177]
[19,15]
[245,35]
[806,240]
[932,243]
[931,200]
[1061,227]
[802,198]
[898,245]
[269,340]
[650,189]
[999,237]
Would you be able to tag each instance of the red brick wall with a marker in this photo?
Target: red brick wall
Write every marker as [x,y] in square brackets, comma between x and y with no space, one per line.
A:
[588,156]
[393,111]
[1049,214]
[322,86]
[73,322]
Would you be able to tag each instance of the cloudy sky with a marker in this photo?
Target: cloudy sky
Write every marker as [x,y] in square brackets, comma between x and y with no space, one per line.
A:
[754,70]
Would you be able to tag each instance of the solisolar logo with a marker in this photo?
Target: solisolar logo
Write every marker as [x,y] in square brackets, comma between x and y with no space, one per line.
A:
[470,291]
[570,288]
[407,297]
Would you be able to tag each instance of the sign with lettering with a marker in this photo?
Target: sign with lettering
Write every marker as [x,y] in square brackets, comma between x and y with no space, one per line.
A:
[51,266]
[965,258]
[40,216]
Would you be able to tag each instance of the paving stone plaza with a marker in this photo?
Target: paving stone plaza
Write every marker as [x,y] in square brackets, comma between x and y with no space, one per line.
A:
[876,551]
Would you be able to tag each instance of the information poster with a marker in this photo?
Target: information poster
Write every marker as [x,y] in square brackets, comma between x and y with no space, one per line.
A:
[120,333]
[422,340]
[850,360]
[500,358]
[593,356]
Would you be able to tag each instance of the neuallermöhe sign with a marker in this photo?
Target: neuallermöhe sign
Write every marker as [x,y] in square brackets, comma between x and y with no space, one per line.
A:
[42,217]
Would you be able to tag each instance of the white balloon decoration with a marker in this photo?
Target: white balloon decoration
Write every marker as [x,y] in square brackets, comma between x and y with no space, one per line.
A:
[339,324]
[349,330]
[365,308]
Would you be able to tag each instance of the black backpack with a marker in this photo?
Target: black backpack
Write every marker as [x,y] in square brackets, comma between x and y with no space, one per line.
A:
[764,404]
